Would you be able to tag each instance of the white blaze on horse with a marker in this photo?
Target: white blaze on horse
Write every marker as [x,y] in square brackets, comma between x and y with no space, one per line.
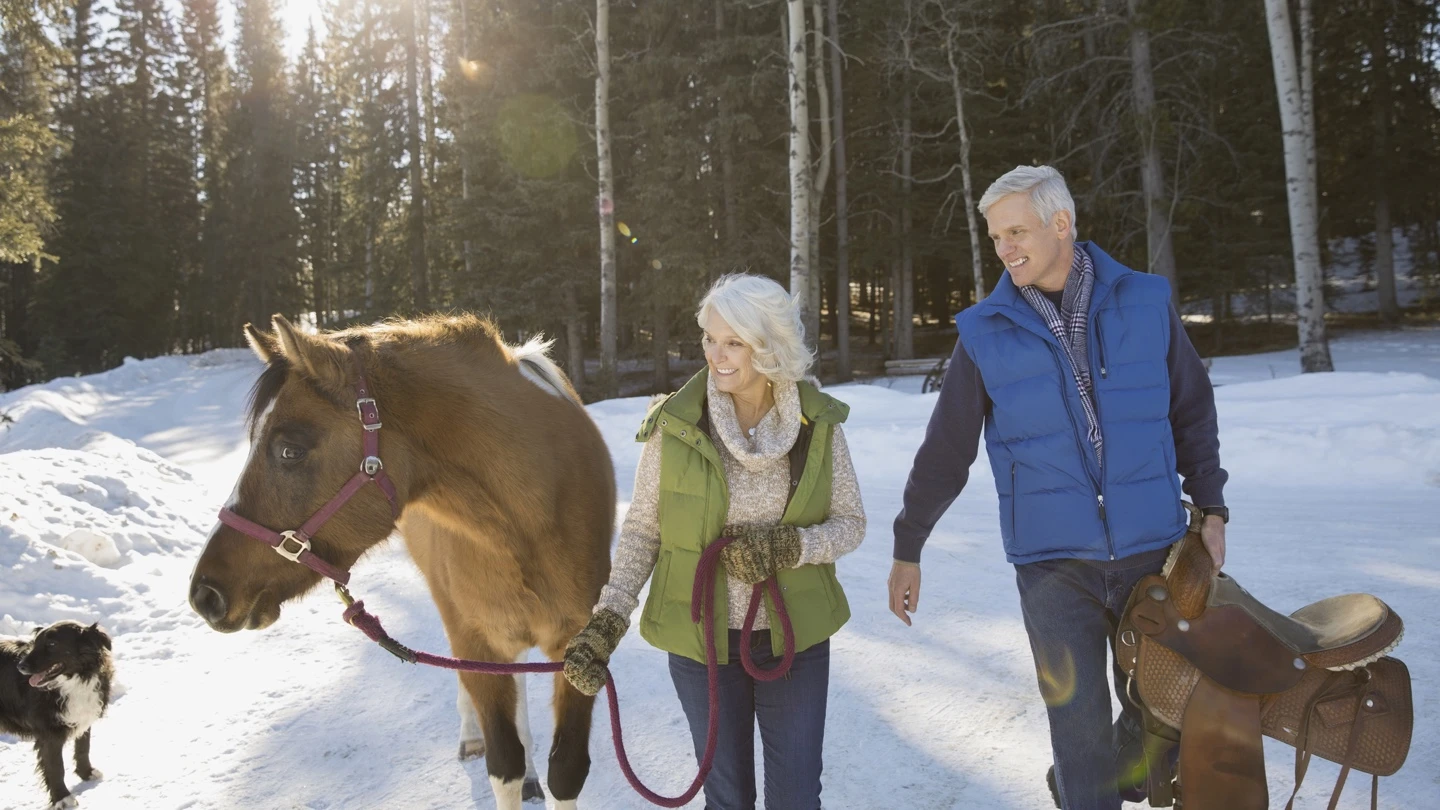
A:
[492,471]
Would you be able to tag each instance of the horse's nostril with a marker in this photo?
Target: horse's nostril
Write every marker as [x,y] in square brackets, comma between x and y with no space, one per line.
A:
[208,602]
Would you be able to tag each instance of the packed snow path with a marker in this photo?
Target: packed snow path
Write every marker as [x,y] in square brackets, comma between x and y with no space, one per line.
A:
[109,483]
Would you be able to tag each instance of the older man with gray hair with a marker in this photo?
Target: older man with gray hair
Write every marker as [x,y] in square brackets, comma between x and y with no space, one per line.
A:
[1093,404]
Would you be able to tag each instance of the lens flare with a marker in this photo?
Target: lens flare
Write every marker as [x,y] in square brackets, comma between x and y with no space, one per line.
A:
[622,228]
[474,70]
[537,137]
[1057,676]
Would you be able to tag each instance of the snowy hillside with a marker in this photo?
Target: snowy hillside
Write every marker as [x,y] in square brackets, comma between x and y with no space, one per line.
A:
[109,484]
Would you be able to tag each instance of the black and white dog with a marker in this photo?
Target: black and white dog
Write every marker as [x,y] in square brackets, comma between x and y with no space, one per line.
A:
[53,687]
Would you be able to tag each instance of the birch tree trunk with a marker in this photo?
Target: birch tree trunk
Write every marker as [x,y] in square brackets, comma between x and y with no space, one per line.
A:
[1300,191]
[609,381]
[822,166]
[1161,254]
[842,213]
[971,221]
[419,268]
[800,269]
[463,145]
[427,83]
[1307,92]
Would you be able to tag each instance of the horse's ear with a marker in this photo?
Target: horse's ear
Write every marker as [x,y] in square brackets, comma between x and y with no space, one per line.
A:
[324,361]
[264,346]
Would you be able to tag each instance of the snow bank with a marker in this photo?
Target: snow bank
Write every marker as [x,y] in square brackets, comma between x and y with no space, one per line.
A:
[84,531]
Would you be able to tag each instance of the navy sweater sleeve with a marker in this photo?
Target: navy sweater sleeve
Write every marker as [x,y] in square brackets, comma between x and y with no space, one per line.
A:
[1193,420]
[942,464]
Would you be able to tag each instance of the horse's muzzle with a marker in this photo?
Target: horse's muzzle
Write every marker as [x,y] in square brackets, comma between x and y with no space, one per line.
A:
[207,601]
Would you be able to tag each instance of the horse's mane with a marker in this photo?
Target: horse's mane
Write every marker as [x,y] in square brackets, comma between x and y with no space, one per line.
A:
[471,330]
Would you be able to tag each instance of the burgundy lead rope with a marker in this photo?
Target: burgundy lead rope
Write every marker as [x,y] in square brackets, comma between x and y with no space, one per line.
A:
[702,601]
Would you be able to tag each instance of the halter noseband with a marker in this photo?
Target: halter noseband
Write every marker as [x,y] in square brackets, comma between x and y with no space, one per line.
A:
[294,545]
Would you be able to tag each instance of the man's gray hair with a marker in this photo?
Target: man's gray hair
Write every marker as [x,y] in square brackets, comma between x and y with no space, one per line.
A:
[767,318]
[1046,186]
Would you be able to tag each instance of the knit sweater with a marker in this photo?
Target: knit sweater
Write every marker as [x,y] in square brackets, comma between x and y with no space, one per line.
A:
[757,473]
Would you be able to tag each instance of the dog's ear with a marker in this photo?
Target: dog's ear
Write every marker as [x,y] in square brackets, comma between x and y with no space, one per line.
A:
[103,637]
[36,631]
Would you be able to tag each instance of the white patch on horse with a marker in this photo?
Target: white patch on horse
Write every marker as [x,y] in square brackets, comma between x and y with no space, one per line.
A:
[522,723]
[255,436]
[537,367]
[472,739]
[507,794]
[565,804]
[81,701]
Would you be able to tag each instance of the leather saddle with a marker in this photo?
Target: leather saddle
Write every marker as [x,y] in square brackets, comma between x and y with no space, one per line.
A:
[1213,669]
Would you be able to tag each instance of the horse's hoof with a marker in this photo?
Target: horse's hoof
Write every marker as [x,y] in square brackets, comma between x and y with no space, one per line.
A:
[471,749]
[532,792]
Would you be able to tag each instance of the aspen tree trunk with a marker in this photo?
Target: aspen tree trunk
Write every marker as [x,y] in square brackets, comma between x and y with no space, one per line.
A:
[1161,253]
[842,212]
[822,168]
[609,381]
[419,268]
[463,146]
[800,269]
[968,189]
[1300,191]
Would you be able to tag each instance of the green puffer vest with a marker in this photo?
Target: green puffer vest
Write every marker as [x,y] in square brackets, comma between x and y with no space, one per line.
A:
[694,500]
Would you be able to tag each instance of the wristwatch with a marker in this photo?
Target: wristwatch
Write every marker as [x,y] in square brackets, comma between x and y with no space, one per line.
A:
[1222,511]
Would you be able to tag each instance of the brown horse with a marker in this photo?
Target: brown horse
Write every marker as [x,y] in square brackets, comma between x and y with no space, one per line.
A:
[505,496]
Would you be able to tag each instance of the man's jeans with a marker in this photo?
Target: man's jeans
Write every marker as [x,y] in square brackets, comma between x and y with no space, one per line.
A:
[1071,611]
[791,712]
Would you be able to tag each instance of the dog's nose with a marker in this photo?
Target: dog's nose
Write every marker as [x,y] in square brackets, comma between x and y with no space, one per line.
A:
[207,601]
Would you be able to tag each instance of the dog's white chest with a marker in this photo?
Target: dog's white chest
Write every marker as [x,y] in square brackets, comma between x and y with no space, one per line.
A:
[81,704]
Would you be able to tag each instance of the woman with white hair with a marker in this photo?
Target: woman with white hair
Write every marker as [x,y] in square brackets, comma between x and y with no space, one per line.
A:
[751,450]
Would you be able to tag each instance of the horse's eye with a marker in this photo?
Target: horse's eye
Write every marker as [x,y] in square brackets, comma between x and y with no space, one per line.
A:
[292,452]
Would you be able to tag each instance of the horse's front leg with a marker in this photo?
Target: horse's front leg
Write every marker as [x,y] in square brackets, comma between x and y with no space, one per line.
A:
[570,752]
[472,738]
[495,698]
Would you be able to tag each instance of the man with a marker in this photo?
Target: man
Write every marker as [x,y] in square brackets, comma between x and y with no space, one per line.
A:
[1091,399]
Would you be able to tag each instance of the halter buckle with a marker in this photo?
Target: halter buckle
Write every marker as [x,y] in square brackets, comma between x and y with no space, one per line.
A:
[372,465]
[374,409]
[302,545]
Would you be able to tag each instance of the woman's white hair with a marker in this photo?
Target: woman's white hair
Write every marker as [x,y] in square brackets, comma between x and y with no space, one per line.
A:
[1048,193]
[766,317]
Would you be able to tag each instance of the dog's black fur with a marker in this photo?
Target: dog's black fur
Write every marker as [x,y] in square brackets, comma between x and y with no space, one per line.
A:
[39,677]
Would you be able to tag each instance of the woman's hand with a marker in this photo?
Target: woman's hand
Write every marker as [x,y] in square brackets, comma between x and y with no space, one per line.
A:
[759,551]
[589,651]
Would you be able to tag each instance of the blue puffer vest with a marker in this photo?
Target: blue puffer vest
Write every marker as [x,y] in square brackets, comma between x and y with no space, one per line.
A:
[1054,500]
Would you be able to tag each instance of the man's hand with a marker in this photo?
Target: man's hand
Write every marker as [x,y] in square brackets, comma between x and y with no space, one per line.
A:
[1212,534]
[905,589]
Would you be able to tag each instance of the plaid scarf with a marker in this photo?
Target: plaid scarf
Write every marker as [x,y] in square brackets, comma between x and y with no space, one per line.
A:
[1070,325]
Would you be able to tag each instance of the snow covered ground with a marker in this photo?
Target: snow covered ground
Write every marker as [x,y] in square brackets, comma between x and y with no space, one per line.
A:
[109,483]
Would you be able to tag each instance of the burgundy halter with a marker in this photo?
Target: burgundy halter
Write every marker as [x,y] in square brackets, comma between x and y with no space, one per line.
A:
[294,545]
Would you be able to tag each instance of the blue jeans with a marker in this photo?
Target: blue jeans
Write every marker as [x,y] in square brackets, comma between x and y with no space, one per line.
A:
[791,712]
[1071,611]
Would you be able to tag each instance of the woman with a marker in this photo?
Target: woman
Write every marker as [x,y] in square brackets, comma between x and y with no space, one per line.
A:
[746,449]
